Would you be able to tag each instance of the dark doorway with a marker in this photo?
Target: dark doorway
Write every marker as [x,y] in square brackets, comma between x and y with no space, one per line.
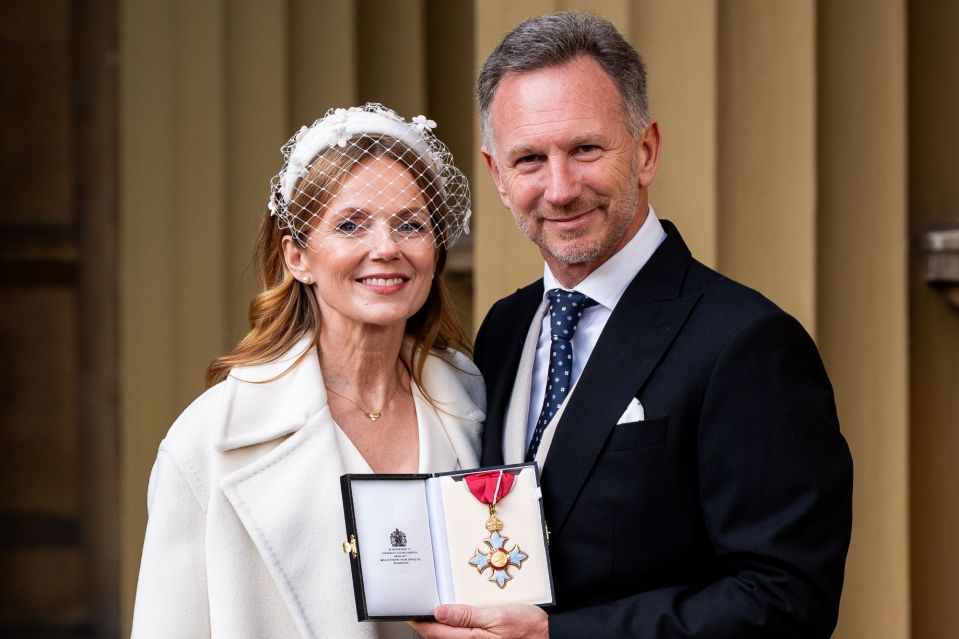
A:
[59,574]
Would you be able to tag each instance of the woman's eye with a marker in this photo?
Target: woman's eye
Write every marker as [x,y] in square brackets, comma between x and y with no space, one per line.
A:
[412,226]
[348,226]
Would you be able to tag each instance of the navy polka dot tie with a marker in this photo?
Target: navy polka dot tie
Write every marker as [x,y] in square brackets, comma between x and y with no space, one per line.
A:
[565,310]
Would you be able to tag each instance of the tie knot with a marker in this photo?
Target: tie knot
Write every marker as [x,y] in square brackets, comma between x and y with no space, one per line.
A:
[565,310]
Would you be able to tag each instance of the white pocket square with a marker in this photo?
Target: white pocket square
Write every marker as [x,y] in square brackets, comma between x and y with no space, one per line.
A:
[634,413]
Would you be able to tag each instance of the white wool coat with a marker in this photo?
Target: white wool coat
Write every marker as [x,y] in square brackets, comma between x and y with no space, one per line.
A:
[246,517]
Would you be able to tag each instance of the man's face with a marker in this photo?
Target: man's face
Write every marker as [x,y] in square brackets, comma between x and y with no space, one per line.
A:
[566,165]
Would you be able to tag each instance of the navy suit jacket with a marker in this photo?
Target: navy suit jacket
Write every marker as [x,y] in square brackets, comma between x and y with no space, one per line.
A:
[727,512]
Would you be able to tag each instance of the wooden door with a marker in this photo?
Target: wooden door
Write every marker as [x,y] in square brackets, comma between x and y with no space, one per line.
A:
[58,405]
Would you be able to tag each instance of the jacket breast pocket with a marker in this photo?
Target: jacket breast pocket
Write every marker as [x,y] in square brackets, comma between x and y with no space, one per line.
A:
[641,434]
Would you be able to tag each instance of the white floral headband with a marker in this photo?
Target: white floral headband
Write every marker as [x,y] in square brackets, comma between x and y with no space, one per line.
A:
[373,131]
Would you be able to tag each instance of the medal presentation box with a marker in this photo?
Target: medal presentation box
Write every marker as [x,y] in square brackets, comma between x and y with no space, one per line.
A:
[416,541]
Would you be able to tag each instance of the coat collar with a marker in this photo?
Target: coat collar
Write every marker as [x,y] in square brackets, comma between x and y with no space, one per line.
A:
[267,401]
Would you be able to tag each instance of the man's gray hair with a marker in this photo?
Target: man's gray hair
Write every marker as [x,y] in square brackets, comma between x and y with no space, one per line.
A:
[553,40]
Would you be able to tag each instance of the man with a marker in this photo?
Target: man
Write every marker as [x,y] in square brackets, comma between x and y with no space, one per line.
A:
[694,478]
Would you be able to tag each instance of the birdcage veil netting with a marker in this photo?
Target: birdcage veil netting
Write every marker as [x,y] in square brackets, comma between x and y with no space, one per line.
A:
[364,174]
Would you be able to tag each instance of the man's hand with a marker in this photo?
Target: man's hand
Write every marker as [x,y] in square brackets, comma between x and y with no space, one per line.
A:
[457,621]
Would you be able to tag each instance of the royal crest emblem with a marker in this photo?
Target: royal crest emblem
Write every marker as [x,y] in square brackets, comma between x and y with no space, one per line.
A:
[398,538]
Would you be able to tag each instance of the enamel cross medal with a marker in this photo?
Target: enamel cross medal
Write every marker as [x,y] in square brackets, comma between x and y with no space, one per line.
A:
[489,488]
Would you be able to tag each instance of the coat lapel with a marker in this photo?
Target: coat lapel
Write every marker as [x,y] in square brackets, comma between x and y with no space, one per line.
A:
[456,388]
[288,499]
[289,502]
[645,322]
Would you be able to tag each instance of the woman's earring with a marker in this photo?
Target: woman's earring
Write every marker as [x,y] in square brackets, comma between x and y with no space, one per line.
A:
[307,280]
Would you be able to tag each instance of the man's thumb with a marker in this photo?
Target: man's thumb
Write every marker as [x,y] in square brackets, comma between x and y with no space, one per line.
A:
[458,615]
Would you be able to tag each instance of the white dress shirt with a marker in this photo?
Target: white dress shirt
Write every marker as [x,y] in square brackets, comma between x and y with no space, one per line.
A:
[606,285]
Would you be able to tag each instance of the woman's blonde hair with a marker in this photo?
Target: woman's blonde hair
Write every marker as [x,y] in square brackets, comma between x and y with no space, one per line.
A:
[285,310]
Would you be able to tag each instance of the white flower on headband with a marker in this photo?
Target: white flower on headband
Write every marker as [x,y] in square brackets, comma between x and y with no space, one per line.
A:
[421,123]
[339,115]
[338,135]
[466,221]
[271,205]
[300,133]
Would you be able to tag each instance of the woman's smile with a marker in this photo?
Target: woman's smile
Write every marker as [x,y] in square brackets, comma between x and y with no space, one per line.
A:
[384,284]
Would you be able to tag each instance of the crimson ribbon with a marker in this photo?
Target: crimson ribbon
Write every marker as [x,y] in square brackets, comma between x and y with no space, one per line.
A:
[483,485]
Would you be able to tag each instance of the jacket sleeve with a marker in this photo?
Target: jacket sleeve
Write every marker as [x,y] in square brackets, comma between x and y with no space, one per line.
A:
[171,598]
[775,484]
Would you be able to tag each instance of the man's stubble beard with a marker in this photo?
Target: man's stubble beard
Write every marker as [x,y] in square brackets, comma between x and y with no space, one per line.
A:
[619,219]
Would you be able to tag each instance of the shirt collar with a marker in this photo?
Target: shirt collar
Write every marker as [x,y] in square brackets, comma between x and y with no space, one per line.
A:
[608,282]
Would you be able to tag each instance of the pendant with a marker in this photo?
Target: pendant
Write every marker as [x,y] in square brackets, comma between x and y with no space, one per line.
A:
[499,558]
[375,415]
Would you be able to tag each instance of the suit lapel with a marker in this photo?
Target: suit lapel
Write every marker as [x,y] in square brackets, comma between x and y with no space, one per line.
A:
[645,322]
[516,419]
[503,350]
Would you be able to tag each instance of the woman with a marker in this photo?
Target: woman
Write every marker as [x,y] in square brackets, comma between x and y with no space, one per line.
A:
[354,363]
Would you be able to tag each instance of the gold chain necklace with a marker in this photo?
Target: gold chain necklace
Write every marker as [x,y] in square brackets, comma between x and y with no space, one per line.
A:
[371,415]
